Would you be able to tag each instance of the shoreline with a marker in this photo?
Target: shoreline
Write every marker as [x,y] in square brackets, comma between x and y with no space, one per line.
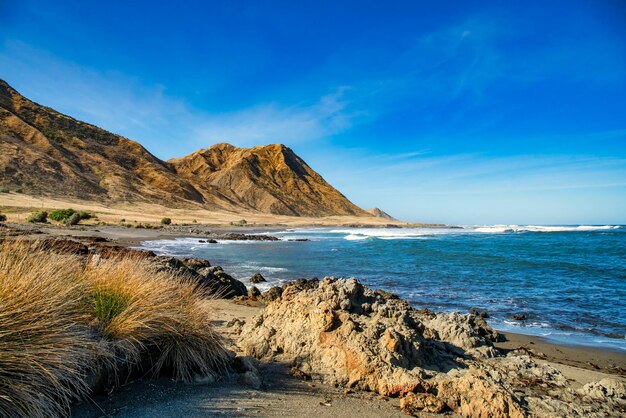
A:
[587,357]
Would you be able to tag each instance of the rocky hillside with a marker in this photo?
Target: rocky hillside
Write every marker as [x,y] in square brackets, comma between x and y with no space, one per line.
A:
[270,179]
[45,152]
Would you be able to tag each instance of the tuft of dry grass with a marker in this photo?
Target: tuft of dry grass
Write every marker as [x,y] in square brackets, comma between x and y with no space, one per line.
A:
[45,344]
[157,313]
[62,315]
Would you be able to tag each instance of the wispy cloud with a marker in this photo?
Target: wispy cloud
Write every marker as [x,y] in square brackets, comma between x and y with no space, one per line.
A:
[271,122]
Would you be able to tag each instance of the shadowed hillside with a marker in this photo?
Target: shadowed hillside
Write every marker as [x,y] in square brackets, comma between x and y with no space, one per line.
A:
[45,152]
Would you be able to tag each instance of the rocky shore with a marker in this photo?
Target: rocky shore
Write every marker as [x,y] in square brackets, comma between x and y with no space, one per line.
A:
[338,346]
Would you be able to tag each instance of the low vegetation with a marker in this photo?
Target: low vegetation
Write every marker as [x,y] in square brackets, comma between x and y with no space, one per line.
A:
[38,217]
[4,190]
[166,221]
[69,216]
[3,217]
[62,315]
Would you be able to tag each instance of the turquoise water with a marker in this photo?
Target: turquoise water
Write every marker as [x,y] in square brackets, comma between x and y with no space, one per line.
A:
[570,282]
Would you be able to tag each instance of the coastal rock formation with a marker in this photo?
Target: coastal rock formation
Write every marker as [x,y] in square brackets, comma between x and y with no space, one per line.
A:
[44,152]
[339,332]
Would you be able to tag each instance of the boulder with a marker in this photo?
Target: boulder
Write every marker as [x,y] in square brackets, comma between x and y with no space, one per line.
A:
[254,292]
[257,278]
[271,295]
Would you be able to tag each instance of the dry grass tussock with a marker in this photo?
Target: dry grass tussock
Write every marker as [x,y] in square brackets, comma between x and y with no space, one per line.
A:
[61,316]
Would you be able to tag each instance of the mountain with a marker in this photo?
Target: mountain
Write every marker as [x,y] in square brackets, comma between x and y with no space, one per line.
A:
[379,213]
[270,179]
[45,152]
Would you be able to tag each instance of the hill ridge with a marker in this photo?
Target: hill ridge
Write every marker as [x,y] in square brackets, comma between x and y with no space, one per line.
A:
[46,152]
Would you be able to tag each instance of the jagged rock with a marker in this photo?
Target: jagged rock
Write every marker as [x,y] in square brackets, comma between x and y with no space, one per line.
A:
[477,394]
[271,295]
[257,278]
[415,403]
[195,263]
[348,335]
[341,333]
[221,283]
[254,292]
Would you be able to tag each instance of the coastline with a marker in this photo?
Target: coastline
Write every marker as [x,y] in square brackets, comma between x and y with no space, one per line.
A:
[591,358]
[282,394]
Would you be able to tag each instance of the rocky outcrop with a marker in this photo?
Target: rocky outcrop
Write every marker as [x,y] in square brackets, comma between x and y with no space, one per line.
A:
[339,332]
[212,279]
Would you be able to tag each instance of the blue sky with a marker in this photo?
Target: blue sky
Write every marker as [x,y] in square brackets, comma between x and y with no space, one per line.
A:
[447,111]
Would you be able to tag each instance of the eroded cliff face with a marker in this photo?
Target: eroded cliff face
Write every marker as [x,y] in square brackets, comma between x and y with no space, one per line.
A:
[341,333]
[45,152]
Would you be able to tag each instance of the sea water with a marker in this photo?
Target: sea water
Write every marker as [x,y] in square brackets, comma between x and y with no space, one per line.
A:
[569,281]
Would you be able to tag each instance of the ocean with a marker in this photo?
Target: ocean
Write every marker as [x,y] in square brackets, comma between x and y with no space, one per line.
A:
[569,282]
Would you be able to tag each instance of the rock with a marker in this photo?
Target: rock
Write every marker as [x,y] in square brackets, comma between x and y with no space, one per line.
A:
[202,241]
[606,389]
[63,246]
[253,292]
[212,241]
[322,328]
[257,278]
[195,263]
[243,364]
[479,313]
[201,380]
[271,295]
[251,379]
[416,403]
[519,317]
[476,394]
[222,284]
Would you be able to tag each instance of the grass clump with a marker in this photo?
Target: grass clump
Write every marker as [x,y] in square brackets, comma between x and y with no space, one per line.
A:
[166,221]
[108,304]
[38,217]
[3,217]
[19,190]
[4,190]
[45,345]
[61,316]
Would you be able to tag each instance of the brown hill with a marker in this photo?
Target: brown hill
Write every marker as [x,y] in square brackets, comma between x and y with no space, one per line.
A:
[271,179]
[379,213]
[45,152]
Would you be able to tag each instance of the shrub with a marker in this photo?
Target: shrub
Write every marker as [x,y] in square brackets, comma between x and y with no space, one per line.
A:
[166,221]
[74,219]
[4,190]
[61,215]
[3,217]
[19,190]
[85,215]
[38,217]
